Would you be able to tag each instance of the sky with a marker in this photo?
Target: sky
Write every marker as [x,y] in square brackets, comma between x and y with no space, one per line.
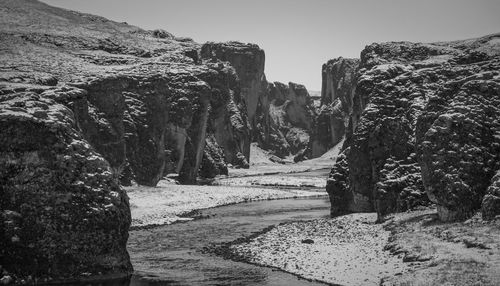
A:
[298,36]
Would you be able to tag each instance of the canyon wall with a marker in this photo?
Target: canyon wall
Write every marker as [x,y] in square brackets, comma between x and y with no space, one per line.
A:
[62,212]
[426,129]
[287,121]
[86,104]
[280,116]
[340,108]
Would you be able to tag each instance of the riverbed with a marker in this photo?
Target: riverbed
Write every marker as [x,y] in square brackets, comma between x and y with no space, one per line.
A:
[173,254]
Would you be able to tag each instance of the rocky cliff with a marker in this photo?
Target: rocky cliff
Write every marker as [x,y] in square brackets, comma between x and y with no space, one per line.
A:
[149,96]
[286,121]
[280,117]
[339,109]
[86,103]
[427,129]
[63,214]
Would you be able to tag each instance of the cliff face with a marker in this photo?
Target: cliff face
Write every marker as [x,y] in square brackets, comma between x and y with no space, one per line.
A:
[142,124]
[86,103]
[427,130]
[150,98]
[339,108]
[227,120]
[280,116]
[62,211]
[287,120]
[248,61]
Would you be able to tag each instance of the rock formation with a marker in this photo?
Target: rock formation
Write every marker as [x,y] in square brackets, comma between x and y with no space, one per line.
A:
[286,121]
[424,126]
[85,103]
[150,98]
[63,214]
[491,201]
[248,60]
[338,107]
[280,116]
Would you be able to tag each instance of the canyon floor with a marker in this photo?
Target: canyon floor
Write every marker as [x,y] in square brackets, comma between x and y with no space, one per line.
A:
[411,248]
[265,180]
[169,203]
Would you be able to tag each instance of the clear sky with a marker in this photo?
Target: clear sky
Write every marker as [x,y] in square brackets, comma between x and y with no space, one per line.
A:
[298,36]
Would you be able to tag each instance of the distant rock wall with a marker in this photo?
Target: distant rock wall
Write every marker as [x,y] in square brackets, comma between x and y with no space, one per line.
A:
[280,116]
[248,61]
[287,121]
[427,130]
[340,108]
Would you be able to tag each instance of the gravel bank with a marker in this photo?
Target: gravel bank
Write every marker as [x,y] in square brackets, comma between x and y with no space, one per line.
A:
[347,250]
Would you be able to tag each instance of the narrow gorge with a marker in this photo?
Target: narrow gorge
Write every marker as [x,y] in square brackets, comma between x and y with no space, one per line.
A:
[110,134]
[112,104]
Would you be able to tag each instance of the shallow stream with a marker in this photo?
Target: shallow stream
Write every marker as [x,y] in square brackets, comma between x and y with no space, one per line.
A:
[172,254]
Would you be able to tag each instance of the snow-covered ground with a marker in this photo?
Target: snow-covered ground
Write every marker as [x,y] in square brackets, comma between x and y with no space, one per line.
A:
[167,202]
[260,163]
[278,180]
[347,250]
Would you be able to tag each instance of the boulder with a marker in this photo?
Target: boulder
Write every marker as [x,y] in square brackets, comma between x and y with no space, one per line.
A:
[62,212]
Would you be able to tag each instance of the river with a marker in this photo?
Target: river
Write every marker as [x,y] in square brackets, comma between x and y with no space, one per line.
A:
[172,254]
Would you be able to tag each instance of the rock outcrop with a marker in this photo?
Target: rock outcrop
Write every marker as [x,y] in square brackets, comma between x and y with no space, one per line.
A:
[151,99]
[62,213]
[491,201]
[339,108]
[280,116]
[86,103]
[287,121]
[249,61]
[427,129]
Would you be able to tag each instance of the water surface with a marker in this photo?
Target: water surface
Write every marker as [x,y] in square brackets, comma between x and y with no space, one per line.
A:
[172,254]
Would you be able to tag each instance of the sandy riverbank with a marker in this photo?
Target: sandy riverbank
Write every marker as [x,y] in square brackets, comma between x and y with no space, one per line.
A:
[166,203]
[279,180]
